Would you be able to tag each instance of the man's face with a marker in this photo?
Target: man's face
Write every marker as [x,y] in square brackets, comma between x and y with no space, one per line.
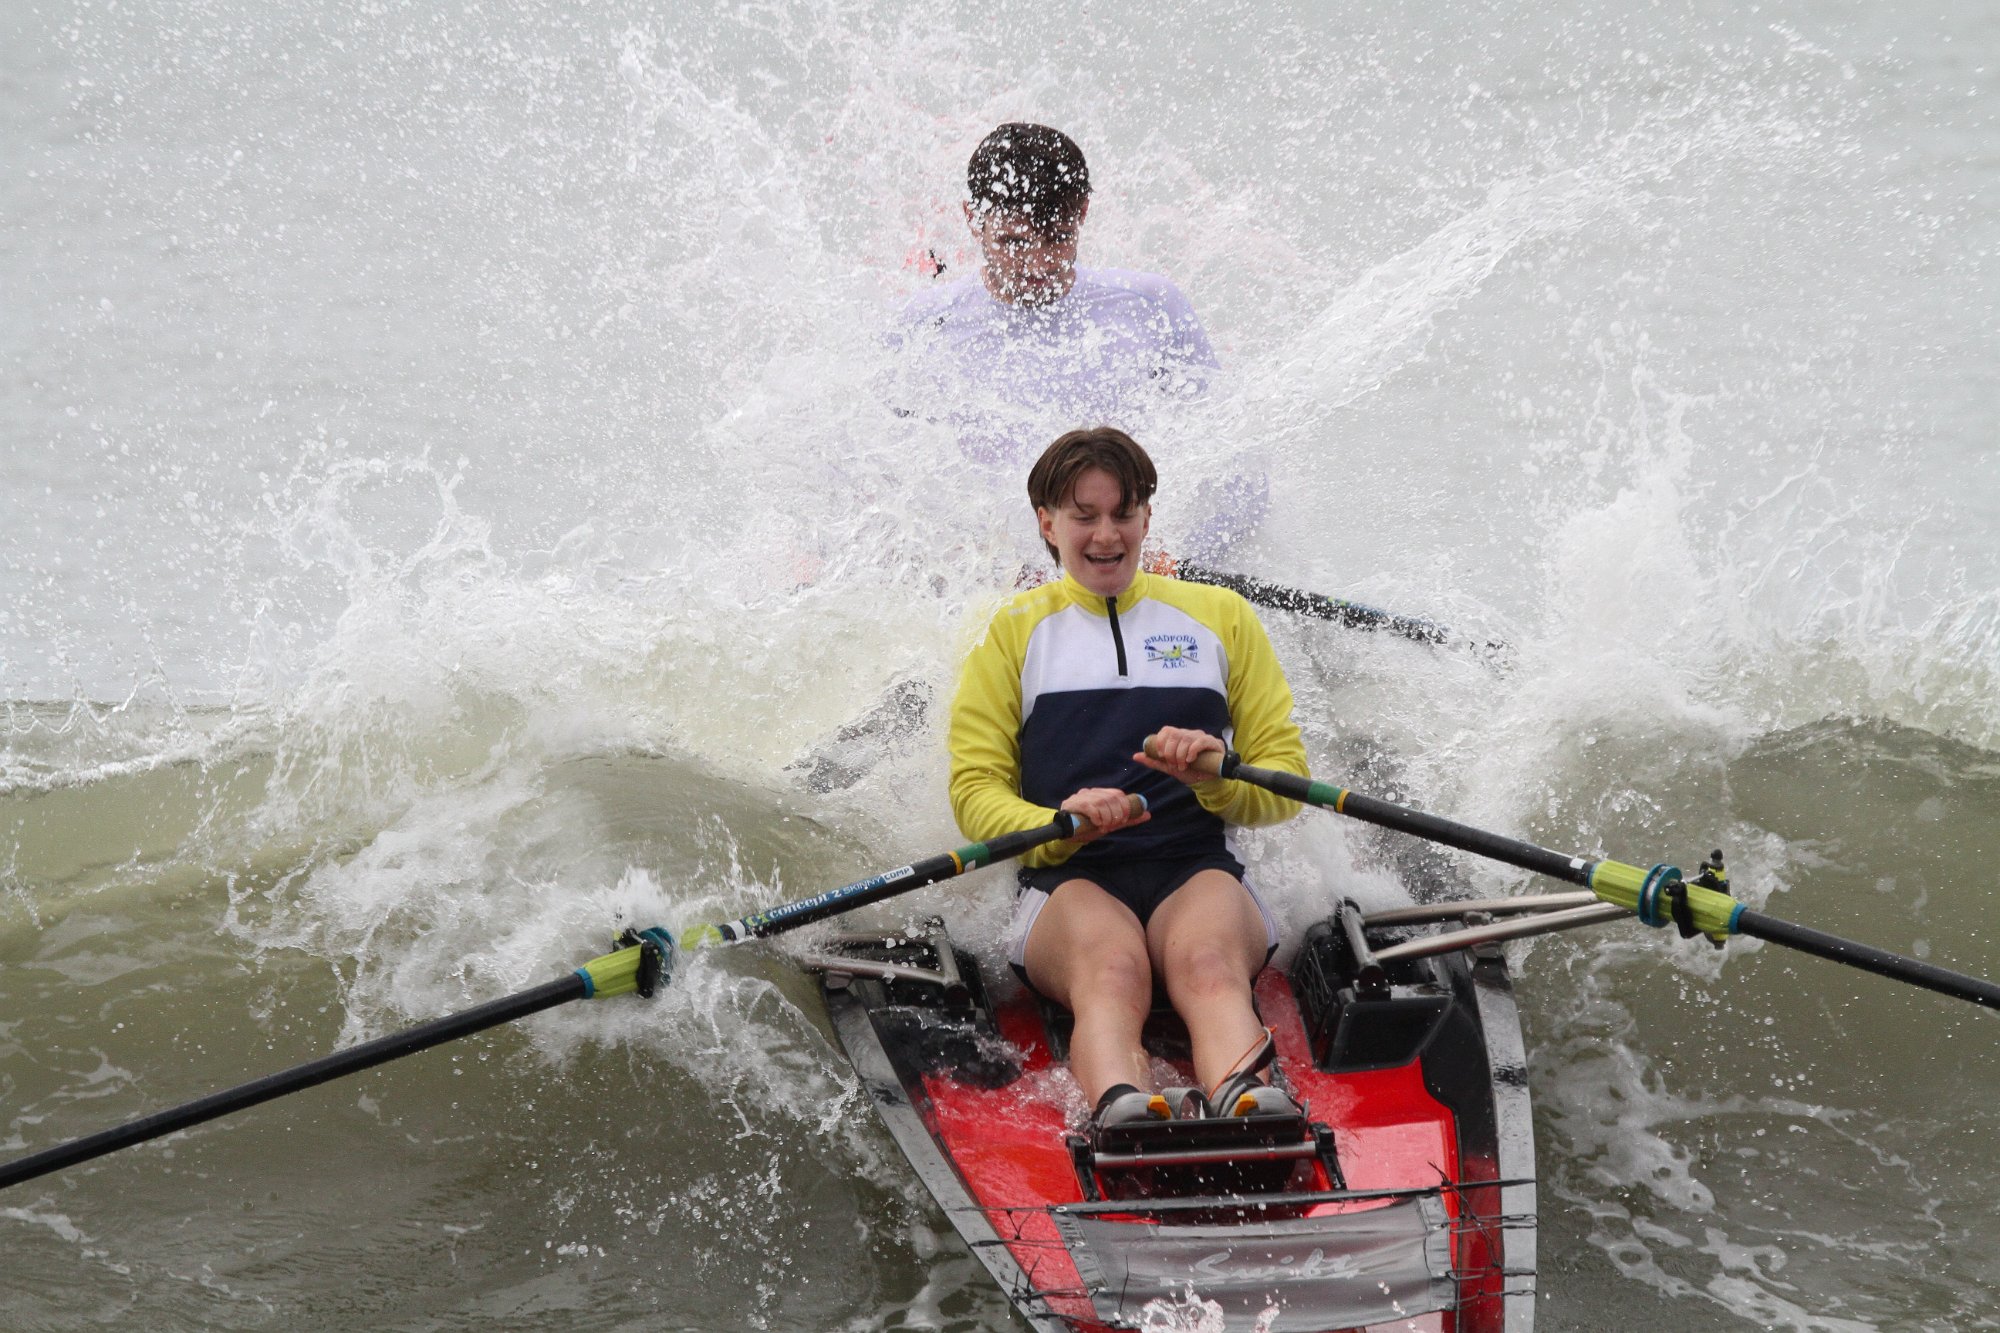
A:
[1025,265]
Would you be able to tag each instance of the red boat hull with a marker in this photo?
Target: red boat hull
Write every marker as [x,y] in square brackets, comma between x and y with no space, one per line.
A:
[1442,1132]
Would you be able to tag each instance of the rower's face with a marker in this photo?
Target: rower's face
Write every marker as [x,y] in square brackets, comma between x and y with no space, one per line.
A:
[1025,265]
[1096,540]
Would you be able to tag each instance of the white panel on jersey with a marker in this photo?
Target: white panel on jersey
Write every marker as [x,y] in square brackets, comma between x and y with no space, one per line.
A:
[1164,647]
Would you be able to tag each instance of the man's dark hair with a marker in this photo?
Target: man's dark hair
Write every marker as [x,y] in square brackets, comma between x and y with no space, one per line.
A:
[1029,169]
[1053,478]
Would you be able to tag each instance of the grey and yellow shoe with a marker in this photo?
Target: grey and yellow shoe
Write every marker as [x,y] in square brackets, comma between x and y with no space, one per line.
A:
[1123,1104]
[1246,1095]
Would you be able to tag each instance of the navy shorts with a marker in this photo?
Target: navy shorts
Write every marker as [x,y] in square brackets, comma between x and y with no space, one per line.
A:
[1140,885]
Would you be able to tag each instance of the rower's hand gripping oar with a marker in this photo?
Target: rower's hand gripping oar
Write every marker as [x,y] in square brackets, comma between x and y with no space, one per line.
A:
[643,962]
[1658,896]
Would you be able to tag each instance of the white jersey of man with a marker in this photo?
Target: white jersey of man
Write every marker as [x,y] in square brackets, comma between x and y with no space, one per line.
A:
[1011,378]
[1116,350]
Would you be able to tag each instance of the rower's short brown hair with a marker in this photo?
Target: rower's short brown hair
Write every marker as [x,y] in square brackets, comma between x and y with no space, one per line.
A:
[1055,474]
[1034,170]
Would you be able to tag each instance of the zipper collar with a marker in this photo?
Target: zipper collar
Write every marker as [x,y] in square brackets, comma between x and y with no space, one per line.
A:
[1096,603]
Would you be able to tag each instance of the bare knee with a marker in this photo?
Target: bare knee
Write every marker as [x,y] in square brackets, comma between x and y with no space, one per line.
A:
[1204,972]
[1123,977]
[1088,951]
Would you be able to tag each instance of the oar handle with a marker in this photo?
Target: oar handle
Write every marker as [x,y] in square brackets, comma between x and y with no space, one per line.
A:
[1211,762]
[903,879]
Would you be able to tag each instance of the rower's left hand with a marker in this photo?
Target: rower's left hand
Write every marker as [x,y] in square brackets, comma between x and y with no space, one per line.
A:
[1177,748]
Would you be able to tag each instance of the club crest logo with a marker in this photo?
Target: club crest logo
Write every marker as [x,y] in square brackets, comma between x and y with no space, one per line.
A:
[1173,651]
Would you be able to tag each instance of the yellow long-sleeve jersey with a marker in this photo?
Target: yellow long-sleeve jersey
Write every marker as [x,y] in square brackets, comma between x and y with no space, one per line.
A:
[1066,685]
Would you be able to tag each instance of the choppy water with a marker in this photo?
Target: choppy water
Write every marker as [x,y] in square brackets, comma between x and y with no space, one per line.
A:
[414,424]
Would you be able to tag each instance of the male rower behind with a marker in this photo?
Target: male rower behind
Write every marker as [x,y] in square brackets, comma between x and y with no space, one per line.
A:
[1035,344]
[1051,708]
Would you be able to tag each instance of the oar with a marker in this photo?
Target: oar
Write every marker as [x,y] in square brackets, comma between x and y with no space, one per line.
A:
[644,962]
[862,892]
[1656,896]
[1354,615]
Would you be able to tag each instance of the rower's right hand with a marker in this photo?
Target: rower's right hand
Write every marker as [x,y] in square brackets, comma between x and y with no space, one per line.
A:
[1107,809]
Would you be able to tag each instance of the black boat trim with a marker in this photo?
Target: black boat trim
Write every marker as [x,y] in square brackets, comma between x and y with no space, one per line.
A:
[856,1031]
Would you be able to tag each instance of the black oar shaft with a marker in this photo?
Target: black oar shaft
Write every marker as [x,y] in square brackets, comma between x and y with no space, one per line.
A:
[943,866]
[1337,609]
[350,1061]
[1387,814]
[1868,958]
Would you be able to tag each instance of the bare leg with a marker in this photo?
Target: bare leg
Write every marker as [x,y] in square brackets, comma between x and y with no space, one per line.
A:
[1207,941]
[1087,952]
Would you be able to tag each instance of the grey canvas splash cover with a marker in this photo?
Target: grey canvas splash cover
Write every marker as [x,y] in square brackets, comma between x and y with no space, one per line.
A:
[1387,1263]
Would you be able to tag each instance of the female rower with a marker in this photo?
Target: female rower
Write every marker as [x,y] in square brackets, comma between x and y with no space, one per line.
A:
[1051,709]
